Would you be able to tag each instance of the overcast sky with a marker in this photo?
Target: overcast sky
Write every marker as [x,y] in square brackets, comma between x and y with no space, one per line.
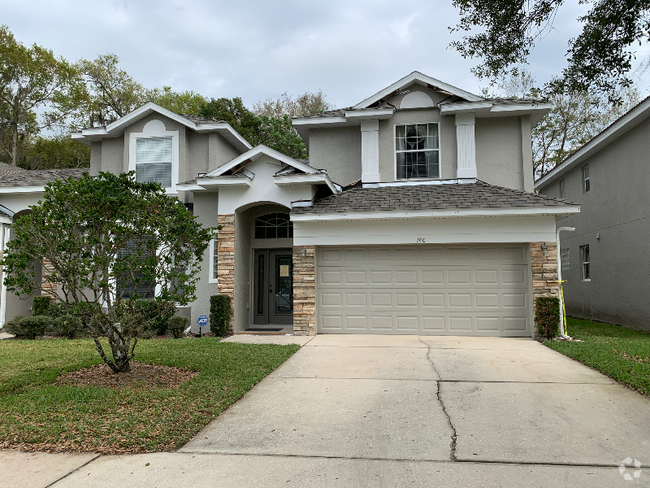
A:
[259,49]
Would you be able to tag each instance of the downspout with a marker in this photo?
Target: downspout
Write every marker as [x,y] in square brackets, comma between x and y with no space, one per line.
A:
[559,277]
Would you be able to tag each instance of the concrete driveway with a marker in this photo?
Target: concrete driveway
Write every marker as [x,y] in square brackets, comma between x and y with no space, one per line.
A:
[408,411]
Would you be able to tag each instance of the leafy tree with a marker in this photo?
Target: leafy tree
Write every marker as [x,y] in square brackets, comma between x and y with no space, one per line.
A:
[275,132]
[503,33]
[576,117]
[305,104]
[55,152]
[111,92]
[184,103]
[110,242]
[32,79]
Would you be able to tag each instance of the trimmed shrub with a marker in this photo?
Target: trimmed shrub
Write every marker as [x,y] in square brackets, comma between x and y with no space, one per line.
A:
[41,305]
[29,327]
[219,314]
[69,326]
[177,326]
[547,316]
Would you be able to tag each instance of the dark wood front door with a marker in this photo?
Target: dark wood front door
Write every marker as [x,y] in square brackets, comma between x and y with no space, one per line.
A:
[273,287]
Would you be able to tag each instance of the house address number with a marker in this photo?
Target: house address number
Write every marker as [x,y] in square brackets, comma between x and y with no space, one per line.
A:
[420,240]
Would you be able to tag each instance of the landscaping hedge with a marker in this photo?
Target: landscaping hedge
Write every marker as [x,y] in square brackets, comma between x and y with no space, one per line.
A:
[547,316]
[219,314]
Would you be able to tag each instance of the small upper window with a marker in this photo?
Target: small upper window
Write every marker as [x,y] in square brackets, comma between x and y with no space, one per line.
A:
[214,260]
[417,151]
[586,184]
[153,160]
[273,226]
[562,189]
[584,256]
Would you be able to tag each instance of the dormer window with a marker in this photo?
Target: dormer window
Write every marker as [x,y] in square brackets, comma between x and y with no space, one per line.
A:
[417,151]
[153,155]
[153,160]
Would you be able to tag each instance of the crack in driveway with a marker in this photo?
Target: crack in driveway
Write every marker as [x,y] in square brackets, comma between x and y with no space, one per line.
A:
[454,435]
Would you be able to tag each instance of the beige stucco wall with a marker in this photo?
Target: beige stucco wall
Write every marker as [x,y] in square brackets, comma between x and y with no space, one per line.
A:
[112,156]
[206,211]
[499,159]
[338,150]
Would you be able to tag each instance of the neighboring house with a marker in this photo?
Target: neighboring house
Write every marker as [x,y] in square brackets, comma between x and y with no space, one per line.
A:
[605,261]
[414,214]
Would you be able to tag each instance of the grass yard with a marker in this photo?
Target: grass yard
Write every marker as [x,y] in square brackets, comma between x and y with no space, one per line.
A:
[38,415]
[621,353]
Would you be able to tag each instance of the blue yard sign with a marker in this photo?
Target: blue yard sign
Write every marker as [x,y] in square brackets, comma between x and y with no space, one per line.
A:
[202,320]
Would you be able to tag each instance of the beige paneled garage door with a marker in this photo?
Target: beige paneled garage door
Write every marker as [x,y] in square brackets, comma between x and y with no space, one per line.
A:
[437,290]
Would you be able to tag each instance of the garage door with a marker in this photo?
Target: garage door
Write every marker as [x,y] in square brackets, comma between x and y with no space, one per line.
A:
[480,290]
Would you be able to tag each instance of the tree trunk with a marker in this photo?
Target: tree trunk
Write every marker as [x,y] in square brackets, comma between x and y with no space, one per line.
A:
[120,350]
[14,144]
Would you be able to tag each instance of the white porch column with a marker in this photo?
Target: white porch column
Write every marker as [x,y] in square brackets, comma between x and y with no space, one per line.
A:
[465,146]
[370,151]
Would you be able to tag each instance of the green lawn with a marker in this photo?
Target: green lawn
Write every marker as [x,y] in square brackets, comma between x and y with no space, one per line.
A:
[37,415]
[618,352]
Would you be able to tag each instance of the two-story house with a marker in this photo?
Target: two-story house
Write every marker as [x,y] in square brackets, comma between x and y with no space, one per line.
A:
[605,260]
[414,215]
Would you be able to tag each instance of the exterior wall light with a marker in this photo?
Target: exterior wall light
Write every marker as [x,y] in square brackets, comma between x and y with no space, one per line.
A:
[303,252]
[544,249]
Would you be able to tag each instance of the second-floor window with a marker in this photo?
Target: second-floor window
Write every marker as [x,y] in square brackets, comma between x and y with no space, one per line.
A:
[562,189]
[417,151]
[586,184]
[153,160]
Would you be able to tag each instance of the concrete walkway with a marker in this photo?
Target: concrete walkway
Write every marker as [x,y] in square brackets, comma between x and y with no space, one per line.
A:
[392,411]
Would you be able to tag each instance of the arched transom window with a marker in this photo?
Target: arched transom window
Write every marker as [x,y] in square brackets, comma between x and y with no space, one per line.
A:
[273,226]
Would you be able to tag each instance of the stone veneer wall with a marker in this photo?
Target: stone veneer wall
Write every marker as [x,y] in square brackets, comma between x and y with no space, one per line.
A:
[544,270]
[226,261]
[47,288]
[304,291]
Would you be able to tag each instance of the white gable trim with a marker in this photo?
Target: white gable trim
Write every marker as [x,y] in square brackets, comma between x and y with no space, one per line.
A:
[22,189]
[623,125]
[115,128]
[255,153]
[416,76]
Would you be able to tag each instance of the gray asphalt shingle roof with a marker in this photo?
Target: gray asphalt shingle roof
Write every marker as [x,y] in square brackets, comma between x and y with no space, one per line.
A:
[427,197]
[35,177]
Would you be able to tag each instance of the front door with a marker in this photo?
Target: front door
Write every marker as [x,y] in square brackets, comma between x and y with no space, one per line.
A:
[273,287]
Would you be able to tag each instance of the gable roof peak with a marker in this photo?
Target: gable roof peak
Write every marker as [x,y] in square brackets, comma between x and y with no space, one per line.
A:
[418,77]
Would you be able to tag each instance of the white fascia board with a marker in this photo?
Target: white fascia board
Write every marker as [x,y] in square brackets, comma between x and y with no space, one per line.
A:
[306,179]
[623,125]
[415,77]
[226,131]
[258,151]
[190,187]
[520,107]
[456,181]
[113,129]
[324,121]
[370,114]
[217,181]
[22,189]
[563,210]
[454,108]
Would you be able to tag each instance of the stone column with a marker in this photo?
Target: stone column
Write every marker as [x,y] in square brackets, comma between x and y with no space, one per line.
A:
[226,261]
[47,288]
[544,271]
[304,290]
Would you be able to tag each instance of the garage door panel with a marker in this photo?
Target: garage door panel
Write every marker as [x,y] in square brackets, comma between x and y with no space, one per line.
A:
[468,290]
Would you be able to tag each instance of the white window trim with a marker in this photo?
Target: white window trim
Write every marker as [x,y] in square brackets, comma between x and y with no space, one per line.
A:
[213,265]
[583,262]
[586,179]
[156,132]
[395,152]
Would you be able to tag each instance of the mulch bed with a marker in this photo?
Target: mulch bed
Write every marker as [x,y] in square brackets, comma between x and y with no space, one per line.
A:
[141,376]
